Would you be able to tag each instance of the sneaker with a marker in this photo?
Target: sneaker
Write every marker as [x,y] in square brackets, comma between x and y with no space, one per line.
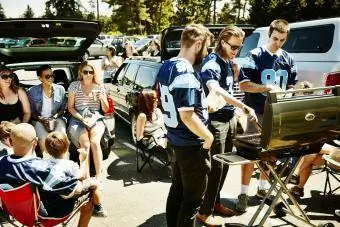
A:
[261,193]
[242,203]
[296,192]
[98,211]
[337,213]
[208,220]
[222,210]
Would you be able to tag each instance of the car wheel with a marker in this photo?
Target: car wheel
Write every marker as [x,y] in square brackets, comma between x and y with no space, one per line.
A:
[133,128]
[86,56]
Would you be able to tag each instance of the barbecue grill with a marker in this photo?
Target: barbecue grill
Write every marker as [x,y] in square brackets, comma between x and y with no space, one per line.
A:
[292,126]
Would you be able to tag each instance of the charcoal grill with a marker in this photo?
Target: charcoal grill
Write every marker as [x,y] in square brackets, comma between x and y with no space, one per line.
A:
[292,126]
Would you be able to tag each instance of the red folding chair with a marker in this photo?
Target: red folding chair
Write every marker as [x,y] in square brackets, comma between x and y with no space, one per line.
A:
[22,203]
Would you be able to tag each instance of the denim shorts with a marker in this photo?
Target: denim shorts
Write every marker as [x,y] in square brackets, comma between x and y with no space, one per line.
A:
[76,128]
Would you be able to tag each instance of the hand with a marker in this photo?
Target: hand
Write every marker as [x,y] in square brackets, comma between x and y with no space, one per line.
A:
[94,182]
[208,142]
[100,95]
[273,88]
[82,154]
[250,113]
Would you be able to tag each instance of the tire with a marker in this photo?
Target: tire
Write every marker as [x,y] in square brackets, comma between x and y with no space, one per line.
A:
[133,127]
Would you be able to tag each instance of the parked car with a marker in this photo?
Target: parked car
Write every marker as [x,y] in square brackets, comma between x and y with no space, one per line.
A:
[119,41]
[315,45]
[64,60]
[97,49]
[106,39]
[140,72]
[142,45]
[31,42]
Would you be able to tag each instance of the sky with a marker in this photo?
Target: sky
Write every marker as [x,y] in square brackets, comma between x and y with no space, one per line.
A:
[15,8]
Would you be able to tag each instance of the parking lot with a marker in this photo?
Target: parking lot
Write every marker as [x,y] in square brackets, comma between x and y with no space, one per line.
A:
[139,199]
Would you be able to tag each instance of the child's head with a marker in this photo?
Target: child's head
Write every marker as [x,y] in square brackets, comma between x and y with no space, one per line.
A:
[5,131]
[56,144]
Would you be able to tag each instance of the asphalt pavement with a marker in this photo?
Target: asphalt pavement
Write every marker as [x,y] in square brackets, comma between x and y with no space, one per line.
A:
[139,199]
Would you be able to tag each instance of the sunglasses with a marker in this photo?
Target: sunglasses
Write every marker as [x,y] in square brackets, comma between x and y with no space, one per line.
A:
[234,47]
[47,77]
[5,76]
[88,72]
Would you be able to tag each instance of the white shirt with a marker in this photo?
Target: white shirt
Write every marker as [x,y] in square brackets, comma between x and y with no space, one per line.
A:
[46,110]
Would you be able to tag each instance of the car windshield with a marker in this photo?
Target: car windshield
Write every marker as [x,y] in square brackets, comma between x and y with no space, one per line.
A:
[142,42]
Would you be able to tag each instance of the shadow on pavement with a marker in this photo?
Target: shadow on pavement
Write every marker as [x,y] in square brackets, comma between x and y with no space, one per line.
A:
[124,168]
[158,220]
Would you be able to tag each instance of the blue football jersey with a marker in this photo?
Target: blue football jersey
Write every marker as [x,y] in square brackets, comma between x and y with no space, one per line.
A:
[265,68]
[217,70]
[180,88]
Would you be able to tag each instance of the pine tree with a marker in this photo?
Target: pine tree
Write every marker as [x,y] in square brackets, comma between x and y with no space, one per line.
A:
[2,12]
[28,12]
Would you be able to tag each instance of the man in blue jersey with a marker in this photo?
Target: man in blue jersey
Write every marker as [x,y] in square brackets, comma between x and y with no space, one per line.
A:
[269,68]
[218,77]
[58,187]
[185,116]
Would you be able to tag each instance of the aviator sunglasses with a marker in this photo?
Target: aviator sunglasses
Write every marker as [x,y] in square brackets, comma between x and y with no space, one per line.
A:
[234,47]
[5,76]
[47,77]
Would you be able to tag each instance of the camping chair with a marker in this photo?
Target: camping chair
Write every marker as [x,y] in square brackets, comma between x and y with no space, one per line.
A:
[23,202]
[147,156]
[332,168]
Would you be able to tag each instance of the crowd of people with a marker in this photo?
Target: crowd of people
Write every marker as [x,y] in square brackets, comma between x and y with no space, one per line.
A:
[189,127]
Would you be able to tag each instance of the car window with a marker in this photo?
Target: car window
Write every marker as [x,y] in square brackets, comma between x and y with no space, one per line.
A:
[249,43]
[130,74]
[121,72]
[146,76]
[309,40]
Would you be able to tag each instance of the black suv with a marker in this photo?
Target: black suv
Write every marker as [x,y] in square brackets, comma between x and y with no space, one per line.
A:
[140,72]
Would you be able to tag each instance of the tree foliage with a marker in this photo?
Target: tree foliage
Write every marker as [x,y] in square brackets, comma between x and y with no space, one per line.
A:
[2,12]
[161,12]
[63,9]
[262,12]
[193,11]
[28,12]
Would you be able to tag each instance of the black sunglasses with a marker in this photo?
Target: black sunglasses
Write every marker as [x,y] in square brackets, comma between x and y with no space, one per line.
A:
[234,47]
[5,76]
[47,77]
[88,72]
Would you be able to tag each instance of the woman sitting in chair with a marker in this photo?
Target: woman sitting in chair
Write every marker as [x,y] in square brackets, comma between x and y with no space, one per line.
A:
[150,131]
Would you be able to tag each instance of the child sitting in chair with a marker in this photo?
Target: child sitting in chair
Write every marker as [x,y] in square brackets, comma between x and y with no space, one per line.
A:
[57,144]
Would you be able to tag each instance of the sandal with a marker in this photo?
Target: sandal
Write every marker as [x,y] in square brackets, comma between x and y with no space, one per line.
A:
[296,191]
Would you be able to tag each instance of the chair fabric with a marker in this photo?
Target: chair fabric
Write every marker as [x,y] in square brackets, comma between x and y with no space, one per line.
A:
[332,169]
[145,156]
[22,203]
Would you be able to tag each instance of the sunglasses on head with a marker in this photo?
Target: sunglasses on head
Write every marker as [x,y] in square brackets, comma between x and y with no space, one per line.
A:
[47,77]
[88,72]
[5,76]
[234,47]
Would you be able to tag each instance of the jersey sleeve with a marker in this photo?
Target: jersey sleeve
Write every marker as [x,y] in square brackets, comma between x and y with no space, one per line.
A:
[248,69]
[210,72]
[293,79]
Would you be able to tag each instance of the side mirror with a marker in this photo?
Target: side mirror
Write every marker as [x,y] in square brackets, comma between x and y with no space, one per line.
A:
[108,80]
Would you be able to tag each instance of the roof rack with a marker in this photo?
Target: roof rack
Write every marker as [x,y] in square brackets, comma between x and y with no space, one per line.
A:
[146,58]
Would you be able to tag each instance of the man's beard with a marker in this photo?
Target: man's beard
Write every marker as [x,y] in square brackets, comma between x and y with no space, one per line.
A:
[199,57]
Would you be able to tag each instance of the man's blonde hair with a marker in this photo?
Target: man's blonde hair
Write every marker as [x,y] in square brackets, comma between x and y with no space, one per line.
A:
[194,32]
[227,33]
[279,25]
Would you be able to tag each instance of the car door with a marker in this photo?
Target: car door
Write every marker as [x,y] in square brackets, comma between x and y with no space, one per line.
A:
[97,48]
[124,85]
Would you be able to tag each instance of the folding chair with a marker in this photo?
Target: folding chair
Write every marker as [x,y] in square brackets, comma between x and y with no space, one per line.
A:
[332,169]
[146,156]
[23,202]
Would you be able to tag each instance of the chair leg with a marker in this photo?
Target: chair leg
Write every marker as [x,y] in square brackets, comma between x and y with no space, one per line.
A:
[325,188]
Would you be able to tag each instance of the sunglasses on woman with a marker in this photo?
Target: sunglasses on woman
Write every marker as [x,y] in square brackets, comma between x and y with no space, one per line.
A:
[6,76]
[88,72]
[49,76]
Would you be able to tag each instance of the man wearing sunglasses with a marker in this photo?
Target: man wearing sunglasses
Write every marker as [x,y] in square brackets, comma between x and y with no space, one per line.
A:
[218,73]
[48,103]
[269,68]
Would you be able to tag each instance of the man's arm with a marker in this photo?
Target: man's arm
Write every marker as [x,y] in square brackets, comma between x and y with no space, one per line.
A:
[252,87]
[195,125]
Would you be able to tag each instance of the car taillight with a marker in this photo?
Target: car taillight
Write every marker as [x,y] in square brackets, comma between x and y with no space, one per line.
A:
[331,79]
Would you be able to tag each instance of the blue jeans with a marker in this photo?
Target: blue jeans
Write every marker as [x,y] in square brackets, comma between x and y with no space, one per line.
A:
[190,170]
